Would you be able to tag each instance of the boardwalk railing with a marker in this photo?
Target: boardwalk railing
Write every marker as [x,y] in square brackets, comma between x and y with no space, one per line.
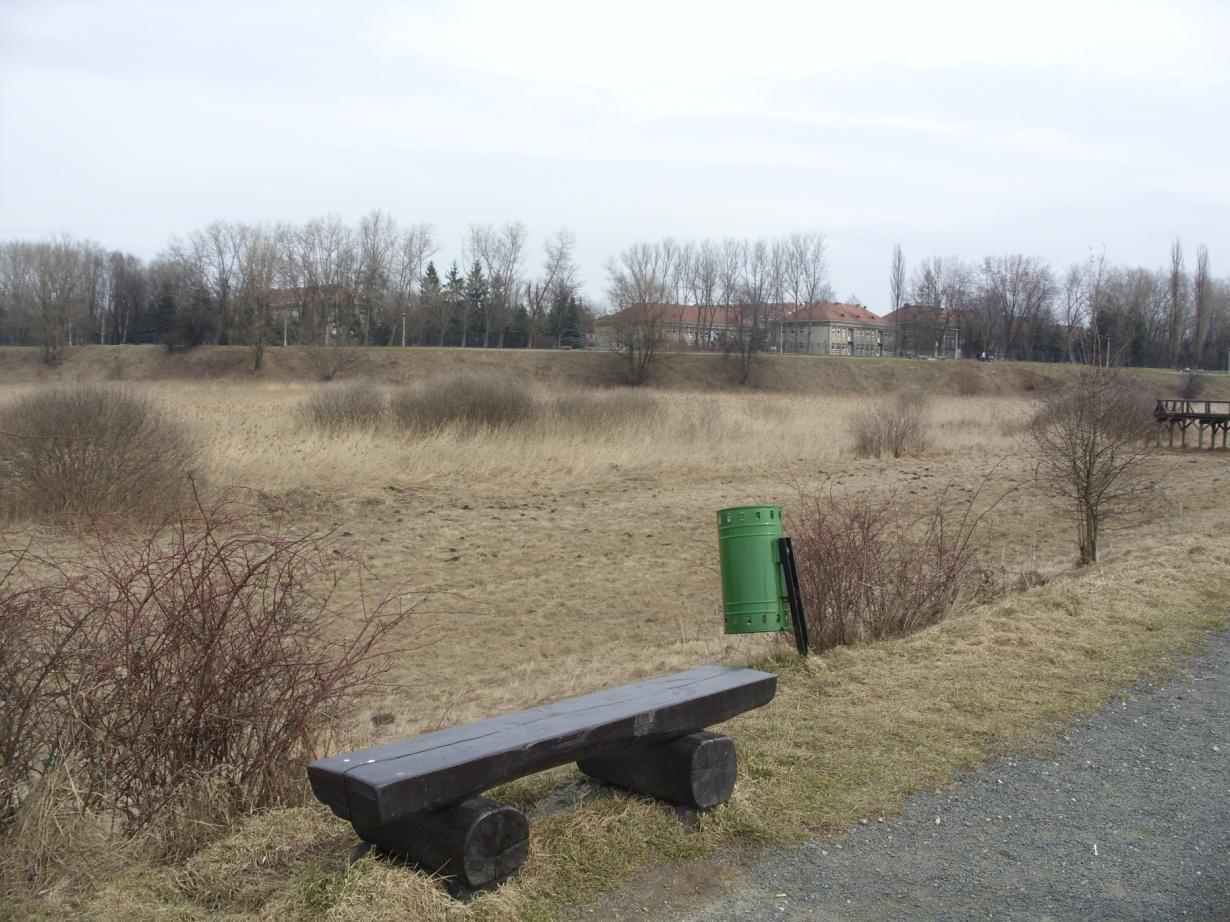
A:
[1212,416]
[1217,409]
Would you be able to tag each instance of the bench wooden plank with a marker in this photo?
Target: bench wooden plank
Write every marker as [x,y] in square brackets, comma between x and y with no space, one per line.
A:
[375,786]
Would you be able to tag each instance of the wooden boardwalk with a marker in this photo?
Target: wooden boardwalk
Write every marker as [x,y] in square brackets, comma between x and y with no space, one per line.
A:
[1212,416]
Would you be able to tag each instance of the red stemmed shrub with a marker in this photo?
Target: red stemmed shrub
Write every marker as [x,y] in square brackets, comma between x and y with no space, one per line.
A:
[211,656]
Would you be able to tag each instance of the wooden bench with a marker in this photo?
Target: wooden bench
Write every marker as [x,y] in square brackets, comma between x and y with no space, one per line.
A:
[418,798]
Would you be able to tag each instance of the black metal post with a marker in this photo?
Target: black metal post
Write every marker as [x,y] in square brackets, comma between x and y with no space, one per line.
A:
[793,595]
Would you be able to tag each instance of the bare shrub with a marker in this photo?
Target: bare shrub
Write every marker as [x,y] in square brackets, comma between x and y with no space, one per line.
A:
[336,407]
[1191,386]
[90,450]
[484,401]
[328,362]
[1092,438]
[602,411]
[894,428]
[183,678]
[877,567]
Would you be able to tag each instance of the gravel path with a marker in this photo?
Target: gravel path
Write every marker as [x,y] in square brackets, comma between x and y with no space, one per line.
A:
[1130,821]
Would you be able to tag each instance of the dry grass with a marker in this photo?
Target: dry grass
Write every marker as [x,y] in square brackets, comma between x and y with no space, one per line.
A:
[585,555]
[824,755]
[349,405]
[467,400]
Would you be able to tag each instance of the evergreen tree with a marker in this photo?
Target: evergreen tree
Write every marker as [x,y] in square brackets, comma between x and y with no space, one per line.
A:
[477,293]
[571,335]
[435,306]
[455,296]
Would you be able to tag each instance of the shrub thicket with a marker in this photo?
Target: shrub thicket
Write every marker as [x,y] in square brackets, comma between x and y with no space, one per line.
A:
[491,401]
[879,567]
[90,450]
[894,428]
[180,679]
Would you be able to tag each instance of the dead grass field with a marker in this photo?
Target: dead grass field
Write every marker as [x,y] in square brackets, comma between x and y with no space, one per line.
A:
[563,559]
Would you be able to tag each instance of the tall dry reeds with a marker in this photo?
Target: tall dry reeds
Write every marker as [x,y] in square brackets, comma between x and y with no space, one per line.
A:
[894,427]
[336,407]
[483,401]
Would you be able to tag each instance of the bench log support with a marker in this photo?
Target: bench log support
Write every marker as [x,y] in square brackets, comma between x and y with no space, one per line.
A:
[478,842]
[698,770]
[418,798]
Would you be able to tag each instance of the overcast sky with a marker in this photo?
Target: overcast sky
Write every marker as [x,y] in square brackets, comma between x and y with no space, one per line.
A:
[954,128]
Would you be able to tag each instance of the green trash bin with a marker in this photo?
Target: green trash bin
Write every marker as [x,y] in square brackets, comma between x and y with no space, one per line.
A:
[753,588]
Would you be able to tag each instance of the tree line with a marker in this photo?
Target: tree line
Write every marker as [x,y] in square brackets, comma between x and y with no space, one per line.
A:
[323,282]
[742,281]
[1020,307]
[376,282]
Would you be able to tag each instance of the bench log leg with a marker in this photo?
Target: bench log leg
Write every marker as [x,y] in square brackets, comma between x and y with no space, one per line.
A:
[698,769]
[479,841]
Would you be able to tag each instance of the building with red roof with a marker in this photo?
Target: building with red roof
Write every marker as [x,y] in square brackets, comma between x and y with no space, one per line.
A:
[833,328]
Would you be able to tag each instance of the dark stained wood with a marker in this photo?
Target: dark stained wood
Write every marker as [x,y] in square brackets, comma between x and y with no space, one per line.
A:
[1211,416]
[373,787]
[478,842]
[698,770]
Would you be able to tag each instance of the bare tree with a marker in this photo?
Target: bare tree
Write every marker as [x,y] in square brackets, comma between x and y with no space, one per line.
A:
[639,283]
[941,289]
[1092,438]
[500,253]
[803,271]
[558,282]
[1018,291]
[216,251]
[415,247]
[1072,307]
[760,281]
[896,293]
[256,270]
[324,255]
[1202,298]
[701,273]
[376,247]
[48,287]
[1178,301]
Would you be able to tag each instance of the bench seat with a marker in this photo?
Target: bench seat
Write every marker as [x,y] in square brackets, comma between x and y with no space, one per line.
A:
[377,786]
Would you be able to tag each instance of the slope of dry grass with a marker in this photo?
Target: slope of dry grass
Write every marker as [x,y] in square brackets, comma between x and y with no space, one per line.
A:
[675,371]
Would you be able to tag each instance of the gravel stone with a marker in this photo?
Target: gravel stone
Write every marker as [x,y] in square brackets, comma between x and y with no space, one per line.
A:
[1129,820]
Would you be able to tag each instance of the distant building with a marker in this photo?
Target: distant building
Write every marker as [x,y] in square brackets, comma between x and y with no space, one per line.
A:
[824,328]
[926,331]
[831,328]
[679,326]
[292,303]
